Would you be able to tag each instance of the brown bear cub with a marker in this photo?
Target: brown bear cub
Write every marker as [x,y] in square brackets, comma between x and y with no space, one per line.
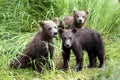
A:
[38,50]
[79,40]
[77,20]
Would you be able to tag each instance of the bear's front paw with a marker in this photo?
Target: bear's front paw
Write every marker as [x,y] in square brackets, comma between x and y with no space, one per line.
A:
[63,68]
[101,66]
[79,67]
[91,66]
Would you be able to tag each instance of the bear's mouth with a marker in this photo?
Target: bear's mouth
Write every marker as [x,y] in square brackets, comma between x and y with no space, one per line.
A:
[55,36]
[80,22]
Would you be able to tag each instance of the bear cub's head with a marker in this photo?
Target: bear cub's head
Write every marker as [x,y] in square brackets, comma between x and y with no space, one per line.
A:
[80,17]
[67,36]
[50,27]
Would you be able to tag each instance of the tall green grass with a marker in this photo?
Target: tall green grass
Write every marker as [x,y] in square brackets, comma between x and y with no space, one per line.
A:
[19,22]
[23,15]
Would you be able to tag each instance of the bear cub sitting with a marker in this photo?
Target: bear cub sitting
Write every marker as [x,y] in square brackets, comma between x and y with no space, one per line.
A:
[79,40]
[36,52]
[77,20]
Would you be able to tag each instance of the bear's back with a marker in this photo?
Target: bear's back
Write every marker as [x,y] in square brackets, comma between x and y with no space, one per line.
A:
[68,20]
[37,47]
[88,37]
[86,32]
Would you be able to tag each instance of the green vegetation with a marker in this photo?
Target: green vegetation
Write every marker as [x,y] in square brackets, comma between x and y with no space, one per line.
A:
[18,24]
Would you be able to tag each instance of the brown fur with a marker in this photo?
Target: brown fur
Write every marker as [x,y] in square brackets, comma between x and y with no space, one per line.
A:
[79,40]
[73,21]
[37,51]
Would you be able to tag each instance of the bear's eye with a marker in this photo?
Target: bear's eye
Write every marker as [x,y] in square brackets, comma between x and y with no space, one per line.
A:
[70,37]
[49,28]
[77,16]
[65,38]
[83,16]
[55,27]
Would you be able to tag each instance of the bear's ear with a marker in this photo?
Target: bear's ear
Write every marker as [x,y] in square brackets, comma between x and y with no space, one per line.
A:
[74,30]
[61,25]
[87,12]
[42,24]
[55,20]
[75,11]
[61,30]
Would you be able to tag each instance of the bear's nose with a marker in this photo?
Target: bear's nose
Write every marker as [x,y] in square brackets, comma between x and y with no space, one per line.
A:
[55,33]
[80,20]
[67,45]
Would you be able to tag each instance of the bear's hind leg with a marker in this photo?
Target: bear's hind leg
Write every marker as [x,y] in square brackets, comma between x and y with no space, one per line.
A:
[92,59]
[100,52]
[101,58]
[20,62]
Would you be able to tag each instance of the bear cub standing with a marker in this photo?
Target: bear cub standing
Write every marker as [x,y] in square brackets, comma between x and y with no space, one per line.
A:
[77,20]
[79,40]
[39,48]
